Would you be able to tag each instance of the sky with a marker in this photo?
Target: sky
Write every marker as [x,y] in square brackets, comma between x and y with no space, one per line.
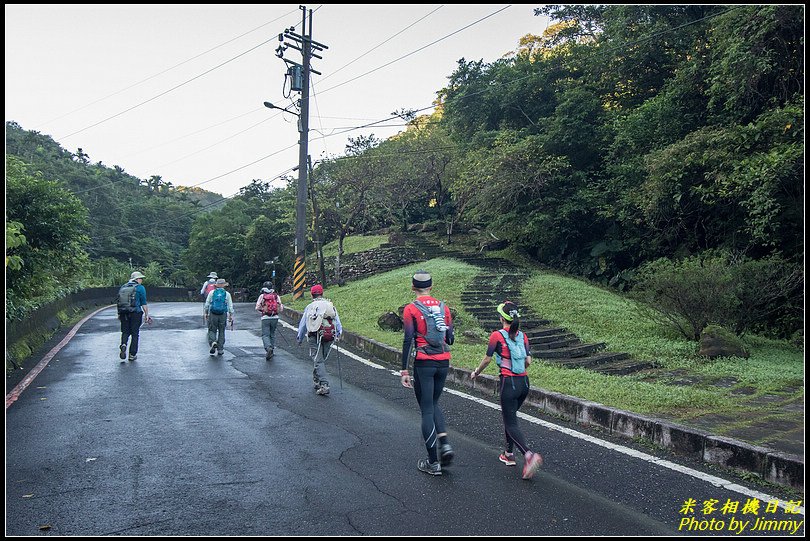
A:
[178,91]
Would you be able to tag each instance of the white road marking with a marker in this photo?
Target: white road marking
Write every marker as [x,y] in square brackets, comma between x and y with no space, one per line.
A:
[711,479]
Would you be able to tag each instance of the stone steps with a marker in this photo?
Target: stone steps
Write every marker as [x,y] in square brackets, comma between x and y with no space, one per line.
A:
[500,279]
[490,323]
[624,368]
[570,352]
[590,361]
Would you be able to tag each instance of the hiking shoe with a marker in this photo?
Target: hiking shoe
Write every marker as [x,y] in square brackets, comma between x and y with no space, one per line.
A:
[533,461]
[133,357]
[122,354]
[507,458]
[323,389]
[269,354]
[221,352]
[446,454]
[213,348]
[434,468]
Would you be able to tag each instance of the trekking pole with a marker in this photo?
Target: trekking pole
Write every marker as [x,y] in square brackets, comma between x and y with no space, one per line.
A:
[281,332]
[340,375]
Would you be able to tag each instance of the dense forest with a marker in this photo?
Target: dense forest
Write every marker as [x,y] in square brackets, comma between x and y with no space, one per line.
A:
[630,145]
[71,223]
[624,142]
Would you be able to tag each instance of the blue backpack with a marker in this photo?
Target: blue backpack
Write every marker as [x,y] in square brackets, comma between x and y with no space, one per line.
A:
[219,303]
[517,352]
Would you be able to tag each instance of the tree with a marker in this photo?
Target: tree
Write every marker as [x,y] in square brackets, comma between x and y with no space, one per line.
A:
[349,182]
[52,258]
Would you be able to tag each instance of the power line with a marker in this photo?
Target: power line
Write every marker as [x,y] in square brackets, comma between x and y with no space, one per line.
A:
[382,43]
[162,72]
[165,92]
[416,51]
[249,50]
[197,210]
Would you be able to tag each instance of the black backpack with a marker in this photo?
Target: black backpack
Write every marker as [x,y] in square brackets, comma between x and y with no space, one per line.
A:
[126,298]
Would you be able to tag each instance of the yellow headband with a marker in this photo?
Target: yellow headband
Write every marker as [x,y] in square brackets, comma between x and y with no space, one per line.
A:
[510,316]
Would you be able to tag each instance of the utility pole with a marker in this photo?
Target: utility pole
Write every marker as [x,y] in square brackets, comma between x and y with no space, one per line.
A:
[299,81]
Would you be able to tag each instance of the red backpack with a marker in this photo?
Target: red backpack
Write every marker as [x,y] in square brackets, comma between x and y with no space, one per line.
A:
[269,304]
[209,288]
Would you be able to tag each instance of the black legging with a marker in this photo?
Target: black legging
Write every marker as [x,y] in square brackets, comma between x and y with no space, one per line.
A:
[514,390]
[428,384]
[131,326]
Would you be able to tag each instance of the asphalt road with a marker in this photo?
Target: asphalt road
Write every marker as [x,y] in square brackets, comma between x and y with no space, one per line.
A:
[179,442]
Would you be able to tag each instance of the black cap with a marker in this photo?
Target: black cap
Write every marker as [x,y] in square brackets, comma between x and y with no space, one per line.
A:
[422,280]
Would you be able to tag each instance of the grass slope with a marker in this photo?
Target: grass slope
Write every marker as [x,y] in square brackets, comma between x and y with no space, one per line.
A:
[596,315]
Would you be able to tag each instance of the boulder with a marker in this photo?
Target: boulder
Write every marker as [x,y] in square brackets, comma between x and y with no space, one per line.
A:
[389,321]
[495,245]
[715,341]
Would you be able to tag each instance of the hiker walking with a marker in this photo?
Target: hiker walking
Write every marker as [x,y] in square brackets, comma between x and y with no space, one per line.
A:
[269,305]
[208,286]
[218,311]
[132,308]
[511,349]
[321,324]
[428,324]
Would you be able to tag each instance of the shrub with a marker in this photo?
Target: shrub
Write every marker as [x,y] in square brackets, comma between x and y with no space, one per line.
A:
[718,287]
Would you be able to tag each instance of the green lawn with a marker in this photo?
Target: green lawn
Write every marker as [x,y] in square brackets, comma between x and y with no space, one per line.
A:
[354,244]
[595,315]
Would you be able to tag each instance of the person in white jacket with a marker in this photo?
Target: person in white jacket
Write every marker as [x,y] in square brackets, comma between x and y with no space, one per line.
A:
[321,326]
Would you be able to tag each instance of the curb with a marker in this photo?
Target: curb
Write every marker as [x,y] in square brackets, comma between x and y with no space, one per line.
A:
[773,466]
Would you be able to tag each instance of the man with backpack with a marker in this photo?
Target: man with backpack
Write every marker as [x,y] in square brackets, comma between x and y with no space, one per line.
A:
[321,324]
[218,311]
[132,308]
[269,306]
[428,324]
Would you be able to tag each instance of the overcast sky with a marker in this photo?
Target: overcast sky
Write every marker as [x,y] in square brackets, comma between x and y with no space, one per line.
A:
[177,91]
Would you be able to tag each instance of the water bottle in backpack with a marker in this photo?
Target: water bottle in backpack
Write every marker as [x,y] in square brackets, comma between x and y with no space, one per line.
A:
[436,329]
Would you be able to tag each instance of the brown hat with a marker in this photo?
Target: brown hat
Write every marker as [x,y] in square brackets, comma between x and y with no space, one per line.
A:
[221,282]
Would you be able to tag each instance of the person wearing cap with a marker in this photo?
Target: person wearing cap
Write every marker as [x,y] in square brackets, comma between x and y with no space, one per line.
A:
[209,285]
[511,349]
[319,320]
[264,305]
[133,318]
[218,314]
[430,367]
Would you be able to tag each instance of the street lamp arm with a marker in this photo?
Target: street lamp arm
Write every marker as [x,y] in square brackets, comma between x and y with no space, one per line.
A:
[271,106]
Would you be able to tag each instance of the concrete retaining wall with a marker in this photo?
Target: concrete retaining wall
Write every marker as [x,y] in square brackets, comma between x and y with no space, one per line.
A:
[45,318]
[770,465]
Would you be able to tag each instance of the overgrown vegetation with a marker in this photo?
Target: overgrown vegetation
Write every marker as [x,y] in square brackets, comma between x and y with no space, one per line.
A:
[621,136]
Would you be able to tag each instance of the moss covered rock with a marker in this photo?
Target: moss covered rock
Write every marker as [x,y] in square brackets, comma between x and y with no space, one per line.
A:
[716,341]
